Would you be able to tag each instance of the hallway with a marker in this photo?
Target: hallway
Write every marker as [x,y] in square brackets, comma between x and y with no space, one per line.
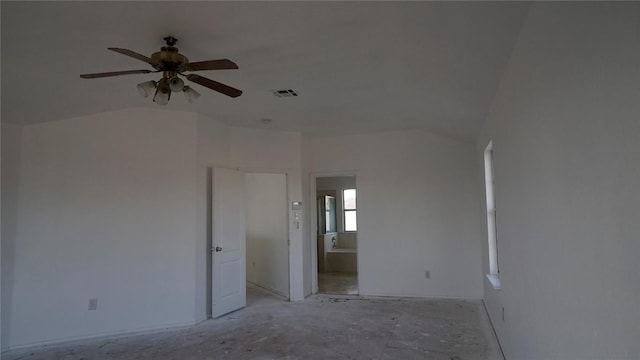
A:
[320,327]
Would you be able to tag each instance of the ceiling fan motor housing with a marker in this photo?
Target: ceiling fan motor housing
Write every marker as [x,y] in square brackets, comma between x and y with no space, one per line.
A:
[168,59]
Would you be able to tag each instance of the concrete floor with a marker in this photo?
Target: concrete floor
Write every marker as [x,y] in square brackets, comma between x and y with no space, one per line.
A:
[321,327]
[338,283]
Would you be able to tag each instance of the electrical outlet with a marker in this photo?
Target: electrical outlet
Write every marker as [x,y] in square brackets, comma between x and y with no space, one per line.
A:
[93,304]
[427,274]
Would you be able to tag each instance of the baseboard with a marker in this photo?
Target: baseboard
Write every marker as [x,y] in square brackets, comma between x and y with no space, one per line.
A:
[201,320]
[495,334]
[416,296]
[273,292]
[108,335]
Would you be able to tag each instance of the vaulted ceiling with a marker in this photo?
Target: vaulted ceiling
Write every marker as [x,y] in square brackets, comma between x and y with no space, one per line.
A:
[357,66]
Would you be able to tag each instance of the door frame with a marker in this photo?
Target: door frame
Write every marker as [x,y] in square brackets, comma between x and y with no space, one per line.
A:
[313,223]
[209,224]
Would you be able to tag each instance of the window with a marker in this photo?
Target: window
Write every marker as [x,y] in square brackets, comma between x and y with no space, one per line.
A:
[491,216]
[349,206]
[328,205]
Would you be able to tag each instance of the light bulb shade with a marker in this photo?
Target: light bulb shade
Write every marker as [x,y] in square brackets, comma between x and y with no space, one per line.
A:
[190,94]
[146,88]
[163,93]
[162,98]
[176,84]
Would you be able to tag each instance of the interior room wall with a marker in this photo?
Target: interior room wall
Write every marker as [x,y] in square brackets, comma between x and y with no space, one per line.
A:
[259,150]
[417,211]
[106,211]
[267,231]
[11,138]
[565,132]
[115,187]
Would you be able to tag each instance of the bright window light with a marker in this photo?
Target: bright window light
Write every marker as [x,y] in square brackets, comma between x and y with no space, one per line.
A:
[349,205]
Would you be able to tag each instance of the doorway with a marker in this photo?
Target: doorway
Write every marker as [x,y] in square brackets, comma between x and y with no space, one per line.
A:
[267,232]
[248,237]
[336,235]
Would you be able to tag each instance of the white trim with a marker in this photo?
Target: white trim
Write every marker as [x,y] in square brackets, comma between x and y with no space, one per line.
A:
[491,209]
[495,281]
[110,335]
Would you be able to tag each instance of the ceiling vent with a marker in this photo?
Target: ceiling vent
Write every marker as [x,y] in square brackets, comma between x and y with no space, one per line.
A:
[284,93]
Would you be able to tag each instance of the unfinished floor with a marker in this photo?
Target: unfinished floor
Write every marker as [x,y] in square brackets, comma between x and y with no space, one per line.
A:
[321,327]
[338,283]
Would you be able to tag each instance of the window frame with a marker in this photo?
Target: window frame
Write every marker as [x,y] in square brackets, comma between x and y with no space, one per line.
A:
[345,210]
[492,228]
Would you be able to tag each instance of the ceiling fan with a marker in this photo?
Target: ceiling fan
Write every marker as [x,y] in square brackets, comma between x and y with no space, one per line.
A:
[171,64]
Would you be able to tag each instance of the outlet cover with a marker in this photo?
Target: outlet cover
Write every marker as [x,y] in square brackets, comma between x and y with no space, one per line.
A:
[93,304]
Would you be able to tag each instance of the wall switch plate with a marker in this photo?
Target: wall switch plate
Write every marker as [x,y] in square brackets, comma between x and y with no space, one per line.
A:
[93,304]
[427,274]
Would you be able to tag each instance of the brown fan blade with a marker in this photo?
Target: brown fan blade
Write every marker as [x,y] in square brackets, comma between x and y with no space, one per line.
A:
[135,55]
[114,73]
[214,85]
[220,64]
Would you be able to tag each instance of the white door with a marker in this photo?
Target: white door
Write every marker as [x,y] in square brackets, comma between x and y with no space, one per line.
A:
[229,247]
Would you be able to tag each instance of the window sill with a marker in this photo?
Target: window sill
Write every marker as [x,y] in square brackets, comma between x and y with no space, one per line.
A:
[495,281]
[342,251]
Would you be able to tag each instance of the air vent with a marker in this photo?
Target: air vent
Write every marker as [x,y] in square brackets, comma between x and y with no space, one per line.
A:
[284,93]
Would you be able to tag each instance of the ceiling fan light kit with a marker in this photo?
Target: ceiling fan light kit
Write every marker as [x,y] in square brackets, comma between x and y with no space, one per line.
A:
[190,94]
[176,84]
[171,64]
[163,92]
[146,88]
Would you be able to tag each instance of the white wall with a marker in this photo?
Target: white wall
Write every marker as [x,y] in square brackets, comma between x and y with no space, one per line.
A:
[276,151]
[113,206]
[566,134]
[11,137]
[106,211]
[417,211]
[267,231]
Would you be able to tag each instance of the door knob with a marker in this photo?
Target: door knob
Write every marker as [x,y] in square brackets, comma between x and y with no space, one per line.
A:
[218,248]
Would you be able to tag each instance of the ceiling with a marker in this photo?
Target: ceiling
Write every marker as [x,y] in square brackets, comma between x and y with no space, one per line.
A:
[357,66]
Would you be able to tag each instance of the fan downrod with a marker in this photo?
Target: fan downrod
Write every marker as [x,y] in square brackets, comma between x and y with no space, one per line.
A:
[170,40]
